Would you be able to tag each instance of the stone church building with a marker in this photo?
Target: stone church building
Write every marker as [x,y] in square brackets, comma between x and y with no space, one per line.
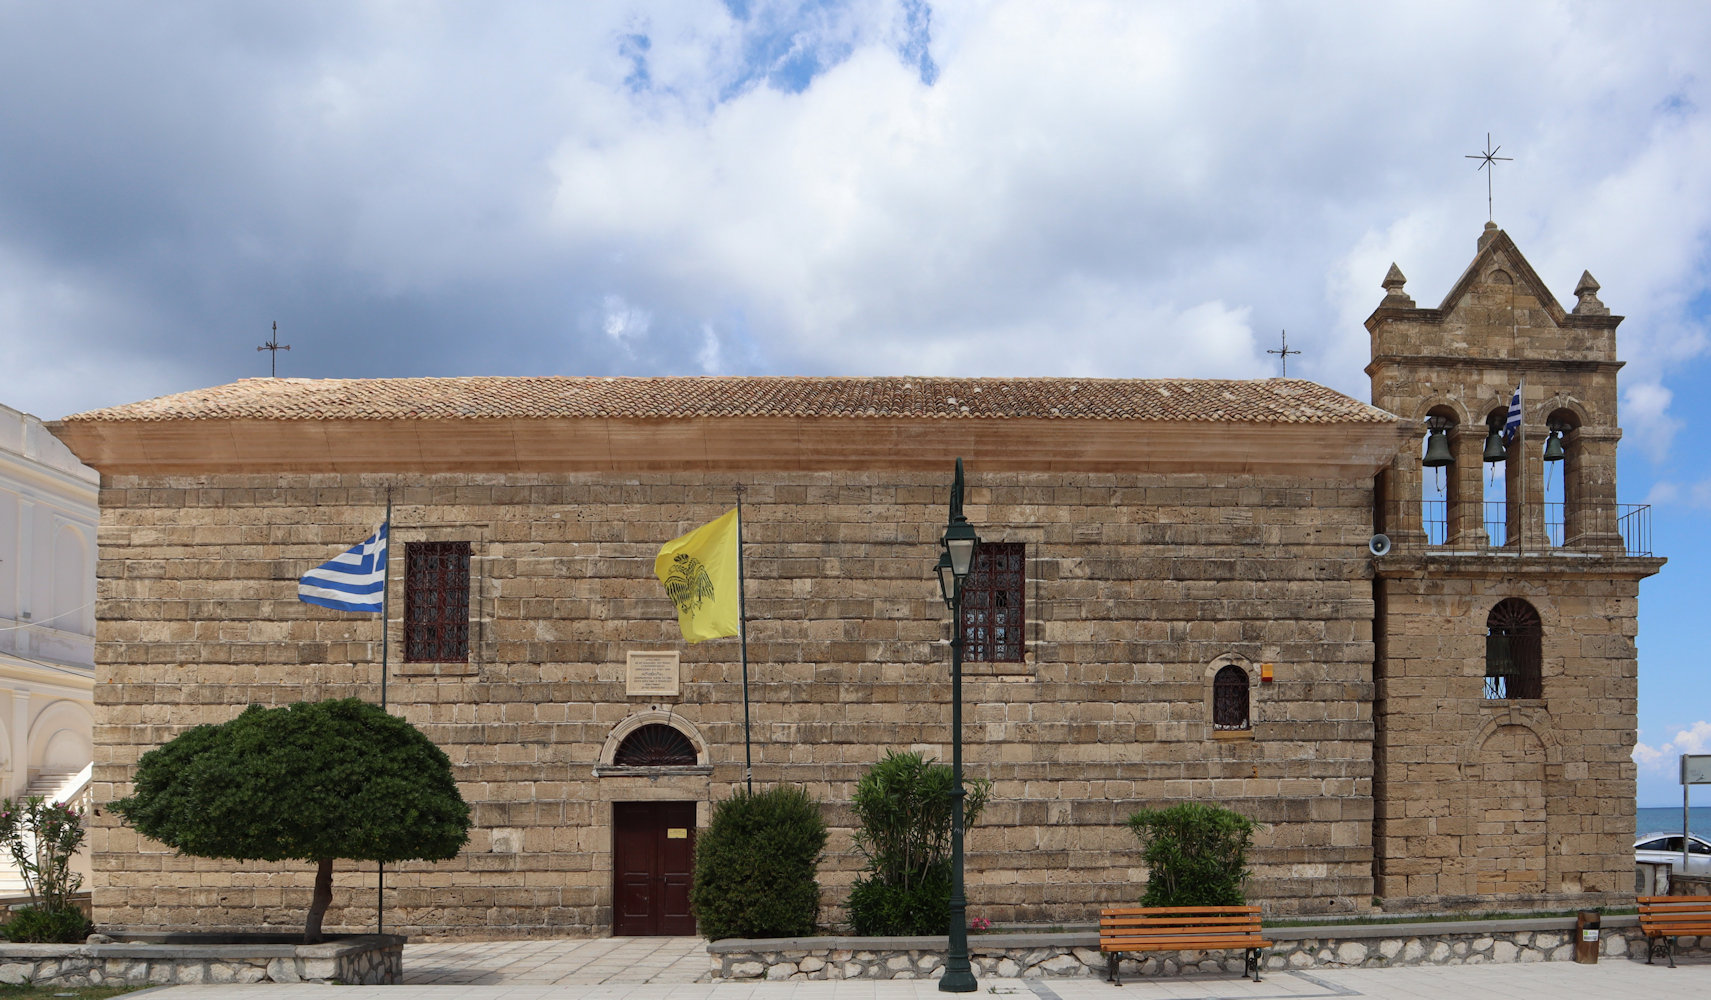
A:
[1176,598]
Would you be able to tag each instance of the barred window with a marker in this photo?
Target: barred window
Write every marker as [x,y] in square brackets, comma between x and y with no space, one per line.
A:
[436,602]
[1230,698]
[992,610]
[1514,638]
[655,746]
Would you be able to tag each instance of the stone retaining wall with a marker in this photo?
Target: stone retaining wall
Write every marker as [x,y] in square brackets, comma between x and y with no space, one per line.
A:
[1077,954]
[367,960]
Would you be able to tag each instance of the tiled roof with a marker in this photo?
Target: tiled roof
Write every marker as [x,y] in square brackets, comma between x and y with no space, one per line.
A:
[1260,401]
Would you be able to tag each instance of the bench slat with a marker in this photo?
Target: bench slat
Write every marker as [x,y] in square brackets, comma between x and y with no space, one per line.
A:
[1183,944]
[1203,910]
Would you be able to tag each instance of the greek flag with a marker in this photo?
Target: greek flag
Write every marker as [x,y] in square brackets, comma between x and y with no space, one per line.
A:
[1512,426]
[353,580]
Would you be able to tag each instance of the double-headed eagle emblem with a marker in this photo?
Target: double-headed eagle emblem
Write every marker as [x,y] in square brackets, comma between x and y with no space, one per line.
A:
[688,584]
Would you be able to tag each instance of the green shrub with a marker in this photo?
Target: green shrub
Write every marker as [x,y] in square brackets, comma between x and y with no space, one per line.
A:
[44,925]
[1196,854]
[755,866]
[904,806]
[921,907]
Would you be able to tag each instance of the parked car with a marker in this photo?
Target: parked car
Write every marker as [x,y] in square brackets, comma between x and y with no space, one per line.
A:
[1666,847]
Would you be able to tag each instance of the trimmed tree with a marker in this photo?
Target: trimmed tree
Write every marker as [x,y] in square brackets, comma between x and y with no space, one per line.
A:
[1196,854]
[755,866]
[309,782]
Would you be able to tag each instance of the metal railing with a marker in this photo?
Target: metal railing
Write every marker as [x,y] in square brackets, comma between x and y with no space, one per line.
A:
[1629,521]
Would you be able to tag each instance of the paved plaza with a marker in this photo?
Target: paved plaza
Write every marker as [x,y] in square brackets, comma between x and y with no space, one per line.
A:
[676,969]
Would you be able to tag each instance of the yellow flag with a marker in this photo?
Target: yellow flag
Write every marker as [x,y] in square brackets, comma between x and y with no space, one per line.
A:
[699,571]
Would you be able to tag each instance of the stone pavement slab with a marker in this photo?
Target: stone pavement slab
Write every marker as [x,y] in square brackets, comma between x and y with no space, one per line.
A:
[1610,980]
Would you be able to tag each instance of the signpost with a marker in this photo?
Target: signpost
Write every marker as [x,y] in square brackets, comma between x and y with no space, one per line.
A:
[1695,770]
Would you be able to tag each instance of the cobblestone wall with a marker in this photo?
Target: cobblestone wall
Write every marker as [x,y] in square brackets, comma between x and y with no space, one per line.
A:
[373,960]
[1032,956]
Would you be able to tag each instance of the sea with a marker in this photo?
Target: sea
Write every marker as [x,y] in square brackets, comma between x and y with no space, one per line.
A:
[1649,820]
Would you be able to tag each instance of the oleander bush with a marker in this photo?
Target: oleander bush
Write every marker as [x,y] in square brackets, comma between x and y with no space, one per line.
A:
[755,866]
[42,838]
[904,806]
[1196,854]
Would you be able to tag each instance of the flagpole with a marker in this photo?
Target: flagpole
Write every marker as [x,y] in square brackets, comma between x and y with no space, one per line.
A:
[743,631]
[385,635]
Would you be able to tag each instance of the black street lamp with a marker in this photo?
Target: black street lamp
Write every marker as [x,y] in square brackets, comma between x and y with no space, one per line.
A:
[958,544]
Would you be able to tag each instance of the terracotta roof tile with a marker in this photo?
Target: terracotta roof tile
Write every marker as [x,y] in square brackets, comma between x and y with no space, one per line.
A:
[1261,401]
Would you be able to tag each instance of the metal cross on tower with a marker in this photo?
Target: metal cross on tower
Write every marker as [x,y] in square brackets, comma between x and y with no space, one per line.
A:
[275,346]
[1283,353]
[1488,158]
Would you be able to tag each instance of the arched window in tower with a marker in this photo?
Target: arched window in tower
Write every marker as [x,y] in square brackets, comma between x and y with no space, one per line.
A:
[1230,698]
[1439,492]
[1513,654]
[1564,517]
[1499,478]
[655,746]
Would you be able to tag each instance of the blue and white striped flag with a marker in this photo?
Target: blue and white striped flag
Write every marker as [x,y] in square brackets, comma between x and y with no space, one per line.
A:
[1512,426]
[353,580]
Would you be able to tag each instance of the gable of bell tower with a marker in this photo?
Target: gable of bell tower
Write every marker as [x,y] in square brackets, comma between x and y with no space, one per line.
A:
[1458,366]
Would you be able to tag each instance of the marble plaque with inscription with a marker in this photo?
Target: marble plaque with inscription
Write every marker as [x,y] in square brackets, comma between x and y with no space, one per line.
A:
[647,673]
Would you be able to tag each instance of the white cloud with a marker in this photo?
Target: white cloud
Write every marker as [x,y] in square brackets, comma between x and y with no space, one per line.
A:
[711,357]
[1692,740]
[624,323]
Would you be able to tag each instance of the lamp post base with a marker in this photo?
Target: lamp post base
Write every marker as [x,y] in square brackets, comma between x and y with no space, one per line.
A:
[958,980]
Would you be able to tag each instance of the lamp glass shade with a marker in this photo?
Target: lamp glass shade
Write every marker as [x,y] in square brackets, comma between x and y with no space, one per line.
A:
[947,579]
[959,543]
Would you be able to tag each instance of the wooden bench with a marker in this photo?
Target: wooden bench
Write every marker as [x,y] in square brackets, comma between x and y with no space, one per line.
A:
[1180,928]
[1664,918]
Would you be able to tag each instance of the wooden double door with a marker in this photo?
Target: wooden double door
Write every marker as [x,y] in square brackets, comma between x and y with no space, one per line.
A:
[653,864]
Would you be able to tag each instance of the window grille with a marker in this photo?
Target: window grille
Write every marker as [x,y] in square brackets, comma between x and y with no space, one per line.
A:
[436,602]
[655,745]
[992,605]
[1230,698]
[1513,654]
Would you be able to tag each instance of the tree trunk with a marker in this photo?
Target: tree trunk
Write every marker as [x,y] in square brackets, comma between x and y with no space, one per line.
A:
[319,902]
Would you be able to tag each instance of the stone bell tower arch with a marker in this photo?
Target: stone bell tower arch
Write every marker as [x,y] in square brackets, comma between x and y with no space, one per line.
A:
[1442,816]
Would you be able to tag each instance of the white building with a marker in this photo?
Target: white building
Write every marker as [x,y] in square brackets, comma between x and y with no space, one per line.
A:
[47,612]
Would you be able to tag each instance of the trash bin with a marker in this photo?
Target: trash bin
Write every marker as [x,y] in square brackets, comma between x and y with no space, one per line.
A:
[1586,937]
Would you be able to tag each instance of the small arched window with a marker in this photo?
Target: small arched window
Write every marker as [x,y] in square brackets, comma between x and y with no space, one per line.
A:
[655,746]
[1514,657]
[1230,698]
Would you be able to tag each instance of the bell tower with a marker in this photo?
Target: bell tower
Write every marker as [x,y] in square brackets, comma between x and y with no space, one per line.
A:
[1505,671]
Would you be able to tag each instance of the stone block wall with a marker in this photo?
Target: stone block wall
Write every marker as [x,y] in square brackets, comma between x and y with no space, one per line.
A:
[1136,585]
[1495,803]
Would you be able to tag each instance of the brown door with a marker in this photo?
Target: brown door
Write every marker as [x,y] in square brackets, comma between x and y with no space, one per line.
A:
[653,856]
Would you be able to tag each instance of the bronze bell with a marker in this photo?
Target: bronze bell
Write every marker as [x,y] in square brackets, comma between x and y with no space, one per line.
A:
[1437,449]
[1553,446]
[1495,449]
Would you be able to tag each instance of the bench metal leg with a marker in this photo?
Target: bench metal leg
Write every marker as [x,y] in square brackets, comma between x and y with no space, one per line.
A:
[1251,965]
[1111,973]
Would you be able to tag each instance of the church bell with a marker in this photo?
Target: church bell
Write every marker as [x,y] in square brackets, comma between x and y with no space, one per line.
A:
[1437,449]
[1553,445]
[1495,450]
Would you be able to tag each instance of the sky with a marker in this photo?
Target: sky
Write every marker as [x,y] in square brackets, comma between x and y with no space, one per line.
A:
[987,187]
